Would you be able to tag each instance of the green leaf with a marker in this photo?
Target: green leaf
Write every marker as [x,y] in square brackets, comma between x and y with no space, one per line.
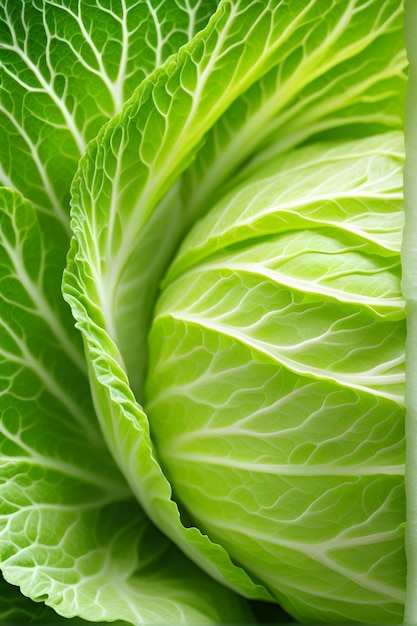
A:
[367,177]
[15,608]
[337,77]
[71,534]
[276,380]
[236,48]
[66,68]
[69,526]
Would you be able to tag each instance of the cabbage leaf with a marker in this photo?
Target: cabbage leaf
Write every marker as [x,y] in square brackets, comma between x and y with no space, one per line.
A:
[71,534]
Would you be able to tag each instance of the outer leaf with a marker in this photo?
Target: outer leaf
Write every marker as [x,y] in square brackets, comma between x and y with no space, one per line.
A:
[62,76]
[70,533]
[276,380]
[17,609]
[165,120]
[66,68]
[343,75]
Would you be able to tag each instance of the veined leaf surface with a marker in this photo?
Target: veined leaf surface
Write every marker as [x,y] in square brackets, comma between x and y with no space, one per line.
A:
[127,204]
[66,68]
[70,532]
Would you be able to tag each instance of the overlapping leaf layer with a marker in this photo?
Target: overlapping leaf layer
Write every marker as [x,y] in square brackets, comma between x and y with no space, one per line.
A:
[233,411]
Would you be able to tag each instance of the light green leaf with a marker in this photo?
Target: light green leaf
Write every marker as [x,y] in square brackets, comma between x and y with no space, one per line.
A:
[71,534]
[276,380]
[338,77]
[15,609]
[354,187]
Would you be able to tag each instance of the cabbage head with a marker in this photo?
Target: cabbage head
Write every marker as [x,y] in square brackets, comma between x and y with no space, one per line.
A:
[214,430]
